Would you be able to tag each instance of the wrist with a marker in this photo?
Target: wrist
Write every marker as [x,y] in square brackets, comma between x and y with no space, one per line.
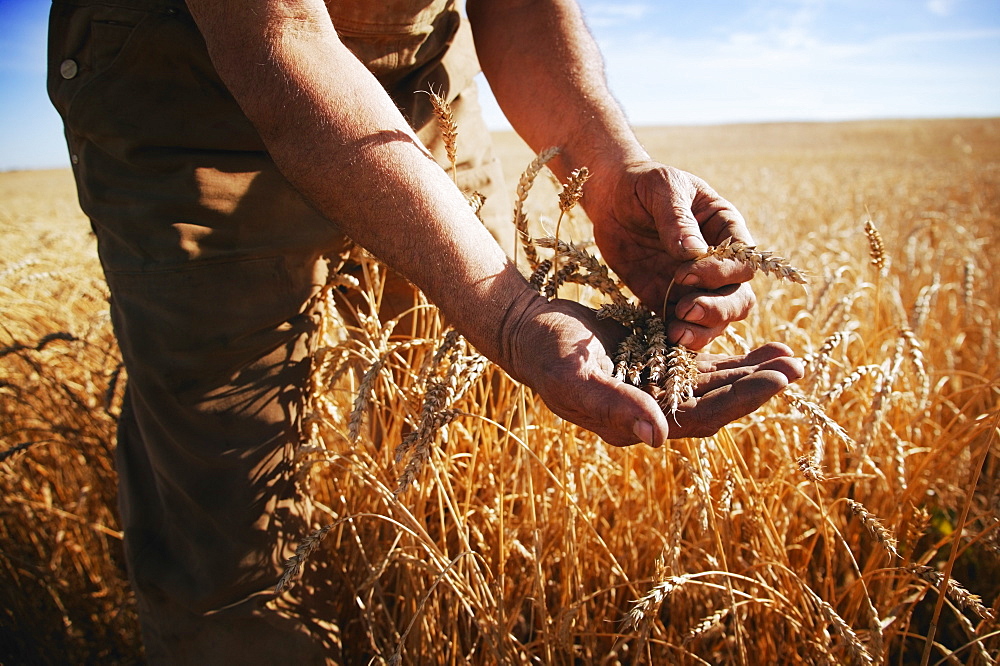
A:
[518,317]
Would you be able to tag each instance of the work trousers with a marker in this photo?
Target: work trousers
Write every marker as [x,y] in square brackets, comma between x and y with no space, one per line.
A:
[214,263]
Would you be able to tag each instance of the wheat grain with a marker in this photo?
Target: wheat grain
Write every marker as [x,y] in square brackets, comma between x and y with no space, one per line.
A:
[476,201]
[644,610]
[598,275]
[762,261]
[855,647]
[847,382]
[628,358]
[678,386]
[363,398]
[875,527]
[922,305]
[655,358]
[538,276]
[437,411]
[447,128]
[817,364]
[968,285]
[876,248]
[916,526]
[675,533]
[571,194]
[573,190]
[811,466]
[563,275]
[881,399]
[708,623]
[816,415]
[958,594]
[524,185]
[627,314]
[293,565]
[917,358]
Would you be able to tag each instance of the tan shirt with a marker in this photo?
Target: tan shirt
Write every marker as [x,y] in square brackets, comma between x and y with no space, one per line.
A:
[409,45]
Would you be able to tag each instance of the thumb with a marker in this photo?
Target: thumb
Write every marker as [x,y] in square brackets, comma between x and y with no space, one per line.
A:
[631,414]
[678,229]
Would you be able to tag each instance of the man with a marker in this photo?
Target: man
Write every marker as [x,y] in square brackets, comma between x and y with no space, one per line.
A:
[224,148]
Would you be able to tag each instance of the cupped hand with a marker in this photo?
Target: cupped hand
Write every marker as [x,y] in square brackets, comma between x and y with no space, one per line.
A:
[652,222]
[558,348]
[561,350]
[730,387]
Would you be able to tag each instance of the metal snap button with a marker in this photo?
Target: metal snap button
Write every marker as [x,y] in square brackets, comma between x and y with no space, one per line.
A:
[69,68]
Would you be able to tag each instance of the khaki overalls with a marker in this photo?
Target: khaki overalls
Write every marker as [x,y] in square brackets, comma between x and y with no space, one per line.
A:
[213,261]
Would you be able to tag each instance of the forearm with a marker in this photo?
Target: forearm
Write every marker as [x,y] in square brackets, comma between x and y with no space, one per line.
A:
[548,77]
[338,138]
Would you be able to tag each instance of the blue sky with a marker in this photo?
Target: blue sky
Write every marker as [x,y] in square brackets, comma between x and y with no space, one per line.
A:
[679,63]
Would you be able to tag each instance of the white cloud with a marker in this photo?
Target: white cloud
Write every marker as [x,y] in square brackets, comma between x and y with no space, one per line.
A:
[606,14]
[941,7]
[785,71]
[798,60]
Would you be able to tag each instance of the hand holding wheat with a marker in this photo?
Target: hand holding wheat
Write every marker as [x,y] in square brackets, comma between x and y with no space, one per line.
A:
[564,351]
[651,222]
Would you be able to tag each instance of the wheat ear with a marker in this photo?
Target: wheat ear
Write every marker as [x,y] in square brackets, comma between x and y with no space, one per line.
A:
[448,129]
[876,248]
[571,194]
[520,218]
[760,260]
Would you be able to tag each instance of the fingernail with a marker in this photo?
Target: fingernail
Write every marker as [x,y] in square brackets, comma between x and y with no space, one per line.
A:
[687,337]
[690,280]
[693,243]
[644,431]
[696,313]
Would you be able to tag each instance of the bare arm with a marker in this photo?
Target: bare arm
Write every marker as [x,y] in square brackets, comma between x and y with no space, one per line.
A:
[338,138]
[649,219]
[336,135]
[548,76]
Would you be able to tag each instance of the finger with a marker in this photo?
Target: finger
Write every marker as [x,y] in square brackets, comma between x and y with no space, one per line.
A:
[624,414]
[720,307]
[693,336]
[712,362]
[728,403]
[792,368]
[719,219]
[678,228]
[713,273]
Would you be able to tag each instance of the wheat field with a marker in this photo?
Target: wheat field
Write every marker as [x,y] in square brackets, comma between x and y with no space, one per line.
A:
[853,519]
